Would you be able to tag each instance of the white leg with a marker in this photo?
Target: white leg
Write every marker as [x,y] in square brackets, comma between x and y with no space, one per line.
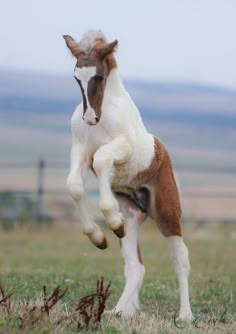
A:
[179,257]
[104,159]
[128,303]
[75,184]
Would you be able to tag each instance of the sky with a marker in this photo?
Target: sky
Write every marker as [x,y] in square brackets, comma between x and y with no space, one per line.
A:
[159,40]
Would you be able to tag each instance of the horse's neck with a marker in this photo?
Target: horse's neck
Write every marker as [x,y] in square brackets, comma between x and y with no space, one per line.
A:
[114,86]
[115,89]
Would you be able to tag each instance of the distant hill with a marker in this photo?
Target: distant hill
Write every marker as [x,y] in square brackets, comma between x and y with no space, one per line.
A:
[175,102]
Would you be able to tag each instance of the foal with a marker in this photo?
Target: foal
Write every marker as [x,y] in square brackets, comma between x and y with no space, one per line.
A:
[132,166]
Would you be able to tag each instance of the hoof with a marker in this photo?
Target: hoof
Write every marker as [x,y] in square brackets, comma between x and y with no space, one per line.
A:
[113,313]
[121,231]
[126,313]
[103,245]
[185,316]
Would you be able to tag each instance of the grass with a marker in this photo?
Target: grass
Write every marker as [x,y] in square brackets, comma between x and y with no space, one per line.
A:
[62,256]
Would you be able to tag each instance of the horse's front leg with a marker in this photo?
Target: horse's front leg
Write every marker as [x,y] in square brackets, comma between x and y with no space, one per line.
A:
[117,151]
[75,184]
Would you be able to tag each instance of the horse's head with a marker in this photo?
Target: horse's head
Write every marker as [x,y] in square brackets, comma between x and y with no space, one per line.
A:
[95,60]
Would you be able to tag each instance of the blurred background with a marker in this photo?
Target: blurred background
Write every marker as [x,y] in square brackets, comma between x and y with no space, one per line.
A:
[177,60]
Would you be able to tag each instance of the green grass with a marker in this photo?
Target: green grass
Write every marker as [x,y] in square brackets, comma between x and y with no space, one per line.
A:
[62,256]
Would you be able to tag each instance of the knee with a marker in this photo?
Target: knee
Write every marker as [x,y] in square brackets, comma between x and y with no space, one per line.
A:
[107,205]
[101,161]
[88,230]
[76,190]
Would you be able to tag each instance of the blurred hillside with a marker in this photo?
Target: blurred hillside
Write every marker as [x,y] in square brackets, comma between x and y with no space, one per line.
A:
[175,102]
[197,123]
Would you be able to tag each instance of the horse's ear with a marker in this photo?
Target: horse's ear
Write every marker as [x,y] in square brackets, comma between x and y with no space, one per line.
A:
[73,46]
[106,49]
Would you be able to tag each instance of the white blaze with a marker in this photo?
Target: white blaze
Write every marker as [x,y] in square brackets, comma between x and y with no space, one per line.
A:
[84,74]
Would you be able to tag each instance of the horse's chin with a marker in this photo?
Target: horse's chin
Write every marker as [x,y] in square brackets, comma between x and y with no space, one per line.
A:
[90,122]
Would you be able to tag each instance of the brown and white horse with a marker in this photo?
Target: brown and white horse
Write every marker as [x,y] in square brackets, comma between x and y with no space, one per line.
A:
[132,166]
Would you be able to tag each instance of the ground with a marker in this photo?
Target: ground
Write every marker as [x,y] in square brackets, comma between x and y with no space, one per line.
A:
[31,258]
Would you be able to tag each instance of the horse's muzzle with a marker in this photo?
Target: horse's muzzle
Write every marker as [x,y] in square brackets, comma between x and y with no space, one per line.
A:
[90,117]
[89,122]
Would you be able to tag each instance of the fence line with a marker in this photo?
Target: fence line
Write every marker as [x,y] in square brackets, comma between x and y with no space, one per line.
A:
[42,165]
[60,164]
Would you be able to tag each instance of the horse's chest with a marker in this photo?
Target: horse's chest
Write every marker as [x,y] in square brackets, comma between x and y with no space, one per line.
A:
[94,142]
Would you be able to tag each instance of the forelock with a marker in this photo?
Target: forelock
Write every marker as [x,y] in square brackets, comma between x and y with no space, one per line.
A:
[90,38]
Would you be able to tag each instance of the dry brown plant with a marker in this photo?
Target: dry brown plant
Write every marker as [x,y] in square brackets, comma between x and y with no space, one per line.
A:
[31,313]
[89,310]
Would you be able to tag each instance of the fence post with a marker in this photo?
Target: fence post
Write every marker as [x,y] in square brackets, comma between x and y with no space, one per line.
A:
[40,189]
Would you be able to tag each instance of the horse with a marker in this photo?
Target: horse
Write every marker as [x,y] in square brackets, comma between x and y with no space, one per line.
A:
[133,169]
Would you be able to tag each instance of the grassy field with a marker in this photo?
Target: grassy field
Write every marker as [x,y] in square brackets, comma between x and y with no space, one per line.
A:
[61,256]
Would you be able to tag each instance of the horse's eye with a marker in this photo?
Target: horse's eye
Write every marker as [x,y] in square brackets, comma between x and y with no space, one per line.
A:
[93,90]
[98,78]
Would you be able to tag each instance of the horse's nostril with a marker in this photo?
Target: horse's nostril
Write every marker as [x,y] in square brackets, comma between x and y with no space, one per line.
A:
[97,119]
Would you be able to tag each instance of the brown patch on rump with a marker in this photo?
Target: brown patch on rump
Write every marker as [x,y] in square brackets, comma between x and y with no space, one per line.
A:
[147,175]
[164,204]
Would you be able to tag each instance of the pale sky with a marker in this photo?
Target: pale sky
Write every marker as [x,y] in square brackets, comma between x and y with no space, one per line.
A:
[180,40]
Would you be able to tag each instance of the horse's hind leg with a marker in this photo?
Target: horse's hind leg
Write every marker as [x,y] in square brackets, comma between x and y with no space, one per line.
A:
[166,210]
[179,257]
[128,303]
[171,229]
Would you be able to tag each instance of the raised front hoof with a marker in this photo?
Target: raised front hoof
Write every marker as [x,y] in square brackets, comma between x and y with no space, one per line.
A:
[103,245]
[121,231]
